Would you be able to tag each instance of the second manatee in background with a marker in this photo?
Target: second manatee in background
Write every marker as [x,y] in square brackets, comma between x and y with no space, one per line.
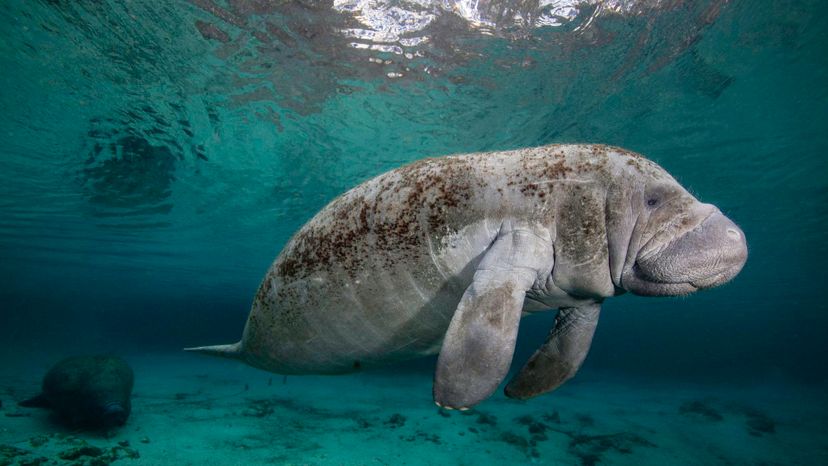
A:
[87,391]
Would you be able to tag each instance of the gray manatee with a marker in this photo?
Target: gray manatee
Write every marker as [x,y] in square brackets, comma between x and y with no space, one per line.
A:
[87,391]
[447,254]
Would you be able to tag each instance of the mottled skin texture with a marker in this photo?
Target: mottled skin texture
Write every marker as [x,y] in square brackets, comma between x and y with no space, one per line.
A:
[447,254]
[87,391]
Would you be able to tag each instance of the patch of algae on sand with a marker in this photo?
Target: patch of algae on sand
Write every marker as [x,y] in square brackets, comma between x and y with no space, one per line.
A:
[10,455]
[64,450]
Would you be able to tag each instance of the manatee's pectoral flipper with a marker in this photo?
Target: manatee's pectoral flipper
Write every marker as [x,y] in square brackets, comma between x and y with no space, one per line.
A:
[560,356]
[39,401]
[480,341]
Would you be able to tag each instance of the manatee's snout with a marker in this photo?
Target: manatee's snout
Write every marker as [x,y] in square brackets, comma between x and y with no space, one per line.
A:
[709,255]
[725,254]
[114,414]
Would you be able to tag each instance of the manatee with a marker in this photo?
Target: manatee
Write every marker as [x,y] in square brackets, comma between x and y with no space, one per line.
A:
[447,254]
[87,391]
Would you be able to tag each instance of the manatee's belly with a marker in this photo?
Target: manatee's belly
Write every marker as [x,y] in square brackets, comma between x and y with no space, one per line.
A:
[396,306]
[333,323]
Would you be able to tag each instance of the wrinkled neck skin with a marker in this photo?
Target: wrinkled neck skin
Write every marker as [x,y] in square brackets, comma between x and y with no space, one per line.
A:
[594,217]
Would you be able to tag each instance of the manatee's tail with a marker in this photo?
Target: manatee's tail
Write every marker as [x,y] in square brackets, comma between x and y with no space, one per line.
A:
[232,351]
[40,401]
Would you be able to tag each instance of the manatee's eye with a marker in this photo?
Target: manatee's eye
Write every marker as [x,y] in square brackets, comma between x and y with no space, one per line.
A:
[652,202]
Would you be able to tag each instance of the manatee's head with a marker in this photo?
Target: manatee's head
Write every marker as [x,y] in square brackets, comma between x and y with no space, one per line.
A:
[114,414]
[677,245]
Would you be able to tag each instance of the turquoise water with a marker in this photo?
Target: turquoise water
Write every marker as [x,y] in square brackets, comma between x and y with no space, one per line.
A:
[155,157]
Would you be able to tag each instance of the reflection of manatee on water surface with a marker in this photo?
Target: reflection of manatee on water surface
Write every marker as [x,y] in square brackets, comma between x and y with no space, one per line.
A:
[445,255]
[87,391]
[131,176]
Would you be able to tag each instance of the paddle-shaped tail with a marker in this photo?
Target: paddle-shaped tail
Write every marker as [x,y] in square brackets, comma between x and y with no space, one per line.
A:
[231,351]
[40,401]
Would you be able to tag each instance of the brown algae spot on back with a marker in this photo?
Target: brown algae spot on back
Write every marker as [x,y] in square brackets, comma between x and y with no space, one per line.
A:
[391,213]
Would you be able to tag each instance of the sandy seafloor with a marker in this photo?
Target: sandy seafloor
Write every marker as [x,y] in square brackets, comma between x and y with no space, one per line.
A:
[193,410]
